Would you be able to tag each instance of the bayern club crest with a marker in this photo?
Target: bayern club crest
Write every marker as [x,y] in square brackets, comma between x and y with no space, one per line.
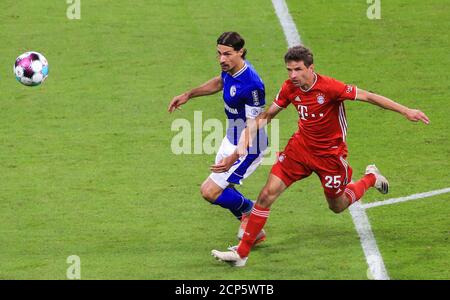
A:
[320,99]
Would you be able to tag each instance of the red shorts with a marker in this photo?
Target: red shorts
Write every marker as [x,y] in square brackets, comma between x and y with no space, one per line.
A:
[296,163]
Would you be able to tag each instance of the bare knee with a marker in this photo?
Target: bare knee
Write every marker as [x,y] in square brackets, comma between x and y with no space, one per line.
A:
[336,209]
[209,193]
[337,205]
[206,193]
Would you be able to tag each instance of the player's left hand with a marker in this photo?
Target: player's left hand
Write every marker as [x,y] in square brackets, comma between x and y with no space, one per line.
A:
[225,164]
[416,115]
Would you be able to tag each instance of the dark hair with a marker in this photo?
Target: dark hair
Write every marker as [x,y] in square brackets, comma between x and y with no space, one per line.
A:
[299,53]
[234,40]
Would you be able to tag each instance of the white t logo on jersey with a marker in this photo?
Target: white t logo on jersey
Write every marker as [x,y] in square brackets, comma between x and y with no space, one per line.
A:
[302,111]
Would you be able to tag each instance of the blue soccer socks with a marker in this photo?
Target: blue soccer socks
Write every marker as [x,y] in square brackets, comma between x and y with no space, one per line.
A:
[234,201]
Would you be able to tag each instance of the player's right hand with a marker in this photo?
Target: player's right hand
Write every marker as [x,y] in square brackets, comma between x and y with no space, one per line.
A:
[177,101]
[225,164]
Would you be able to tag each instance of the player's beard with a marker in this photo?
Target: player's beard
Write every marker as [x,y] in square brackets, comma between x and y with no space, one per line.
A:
[225,67]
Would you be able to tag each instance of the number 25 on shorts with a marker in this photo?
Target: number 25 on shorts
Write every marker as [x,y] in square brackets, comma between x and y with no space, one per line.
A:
[333,181]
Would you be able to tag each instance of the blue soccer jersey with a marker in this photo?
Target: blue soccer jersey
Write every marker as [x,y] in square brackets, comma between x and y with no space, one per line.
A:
[244,97]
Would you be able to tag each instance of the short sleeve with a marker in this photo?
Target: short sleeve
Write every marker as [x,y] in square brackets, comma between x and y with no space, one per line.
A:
[341,91]
[254,102]
[282,100]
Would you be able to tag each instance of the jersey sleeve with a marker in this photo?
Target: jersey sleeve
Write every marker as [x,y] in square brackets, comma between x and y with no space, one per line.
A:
[341,91]
[255,100]
[282,100]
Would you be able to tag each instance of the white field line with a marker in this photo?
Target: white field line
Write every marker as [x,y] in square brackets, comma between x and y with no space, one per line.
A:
[368,242]
[287,23]
[407,198]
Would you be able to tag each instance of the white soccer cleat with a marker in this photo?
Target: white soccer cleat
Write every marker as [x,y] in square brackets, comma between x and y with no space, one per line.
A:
[231,257]
[381,183]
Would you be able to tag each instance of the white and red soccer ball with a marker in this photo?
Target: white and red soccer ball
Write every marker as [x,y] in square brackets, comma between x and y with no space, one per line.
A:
[31,68]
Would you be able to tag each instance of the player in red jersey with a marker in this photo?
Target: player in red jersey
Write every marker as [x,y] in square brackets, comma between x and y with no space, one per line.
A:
[318,146]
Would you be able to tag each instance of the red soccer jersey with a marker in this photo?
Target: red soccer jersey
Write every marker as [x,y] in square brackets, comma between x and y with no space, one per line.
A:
[322,123]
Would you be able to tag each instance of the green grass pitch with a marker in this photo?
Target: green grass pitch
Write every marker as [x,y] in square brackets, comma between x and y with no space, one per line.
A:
[87,169]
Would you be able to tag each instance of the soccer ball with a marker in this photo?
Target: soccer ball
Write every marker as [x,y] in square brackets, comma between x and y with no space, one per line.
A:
[31,68]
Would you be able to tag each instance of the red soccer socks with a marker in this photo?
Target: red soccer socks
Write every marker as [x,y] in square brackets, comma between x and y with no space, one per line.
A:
[256,222]
[356,190]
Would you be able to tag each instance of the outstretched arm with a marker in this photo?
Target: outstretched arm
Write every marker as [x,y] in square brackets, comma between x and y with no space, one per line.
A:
[247,136]
[414,115]
[208,88]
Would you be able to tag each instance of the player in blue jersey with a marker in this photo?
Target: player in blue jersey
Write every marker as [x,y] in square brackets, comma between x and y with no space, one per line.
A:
[244,99]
